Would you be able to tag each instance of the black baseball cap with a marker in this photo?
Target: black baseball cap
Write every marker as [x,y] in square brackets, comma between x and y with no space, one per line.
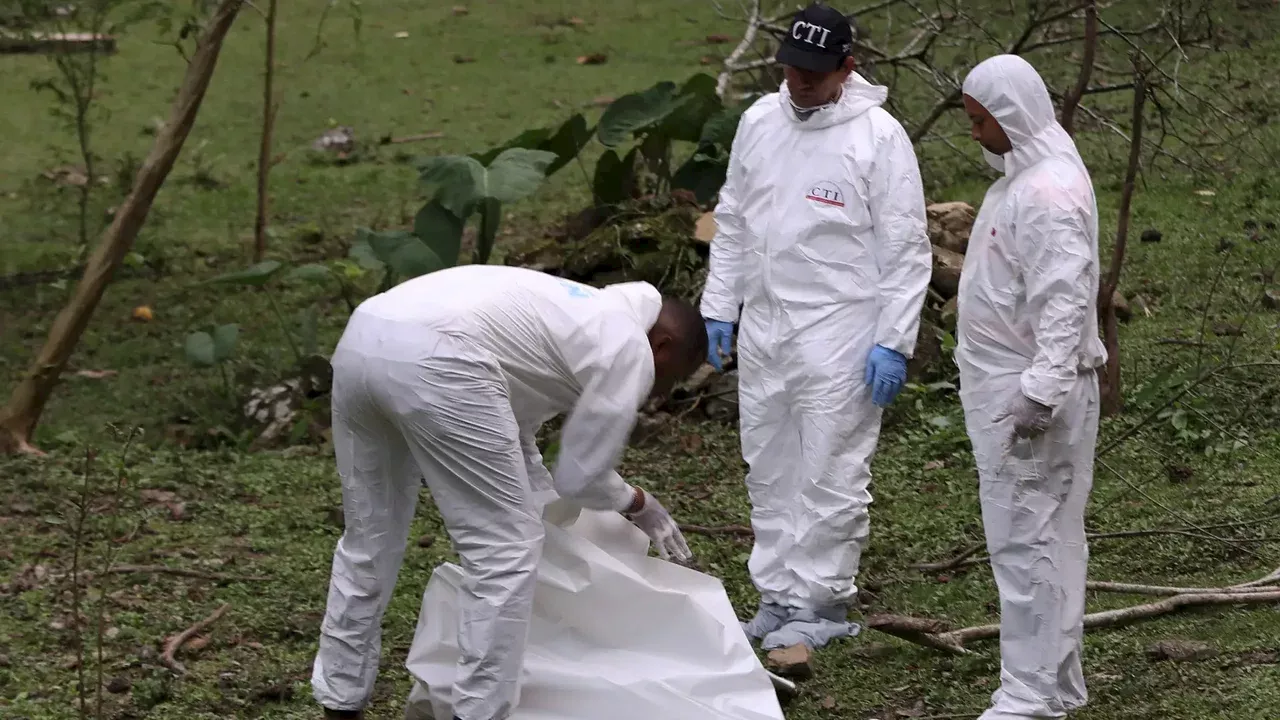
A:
[819,38]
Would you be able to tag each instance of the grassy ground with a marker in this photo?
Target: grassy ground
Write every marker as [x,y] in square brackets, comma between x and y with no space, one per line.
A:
[271,514]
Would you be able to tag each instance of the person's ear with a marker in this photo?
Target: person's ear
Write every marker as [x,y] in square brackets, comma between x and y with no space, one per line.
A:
[849,65]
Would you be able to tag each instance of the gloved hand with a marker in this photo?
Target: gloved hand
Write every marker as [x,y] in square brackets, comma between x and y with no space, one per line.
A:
[719,342]
[886,374]
[661,528]
[1030,418]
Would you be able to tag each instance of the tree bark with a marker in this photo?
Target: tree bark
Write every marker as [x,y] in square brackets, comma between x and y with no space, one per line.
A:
[1072,100]
[264,149]
[1112,398]
[18,419]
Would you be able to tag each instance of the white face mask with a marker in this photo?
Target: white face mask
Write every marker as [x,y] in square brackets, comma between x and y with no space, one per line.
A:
[994,160]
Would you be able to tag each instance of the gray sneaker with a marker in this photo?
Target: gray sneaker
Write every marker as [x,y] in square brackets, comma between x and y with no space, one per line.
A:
[770,617]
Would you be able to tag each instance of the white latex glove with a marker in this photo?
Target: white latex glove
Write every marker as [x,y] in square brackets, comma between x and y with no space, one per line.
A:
[661,528]
[1030,418]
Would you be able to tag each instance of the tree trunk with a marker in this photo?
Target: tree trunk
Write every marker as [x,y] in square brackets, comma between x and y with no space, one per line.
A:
[1072,100]
[1112,399]
[264,148]
[18,419]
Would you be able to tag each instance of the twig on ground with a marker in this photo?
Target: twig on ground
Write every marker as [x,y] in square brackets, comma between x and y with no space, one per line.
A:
[181,572]
[434,135]
[957,561]
[175,643]
[738,530]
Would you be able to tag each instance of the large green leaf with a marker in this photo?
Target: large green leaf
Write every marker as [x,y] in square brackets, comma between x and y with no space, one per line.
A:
[362,251]
[700,103]
[568,141]
[516,174]
[225,338]
[534,139]
[608,185]
[632,113]
[256,275]
[701,175]
[456,181]
[199,349]
[310,331]
[441,230]
[459,182]
[720,128]
[404,254]
[311,272]
[490,217]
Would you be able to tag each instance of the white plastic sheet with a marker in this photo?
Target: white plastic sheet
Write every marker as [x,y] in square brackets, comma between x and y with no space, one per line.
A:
[615,634]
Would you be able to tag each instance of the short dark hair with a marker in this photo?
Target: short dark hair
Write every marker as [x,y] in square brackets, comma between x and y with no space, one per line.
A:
[687,325]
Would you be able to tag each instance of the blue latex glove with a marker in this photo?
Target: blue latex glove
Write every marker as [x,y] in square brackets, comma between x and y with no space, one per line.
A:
[719,342]
[886,374]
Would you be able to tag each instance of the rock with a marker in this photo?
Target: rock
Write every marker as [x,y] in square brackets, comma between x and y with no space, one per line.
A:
[705,229]
[946,271]
[792,662]
[336,517]
[1181,651]
[950,224]
[1151,235]
[340,140]
[119,685]
[948,314]
[1121,306]
[1271,299]
[928,350]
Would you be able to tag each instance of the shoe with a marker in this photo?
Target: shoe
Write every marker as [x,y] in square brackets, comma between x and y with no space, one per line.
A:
[770,617]
[813,629]
[343,714]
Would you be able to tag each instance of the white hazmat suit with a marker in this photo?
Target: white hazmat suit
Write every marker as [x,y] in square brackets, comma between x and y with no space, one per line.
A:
[447,377]
[821,239]
[1027,330]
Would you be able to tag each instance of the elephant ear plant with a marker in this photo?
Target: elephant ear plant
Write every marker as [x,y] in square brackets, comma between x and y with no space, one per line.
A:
[460,187]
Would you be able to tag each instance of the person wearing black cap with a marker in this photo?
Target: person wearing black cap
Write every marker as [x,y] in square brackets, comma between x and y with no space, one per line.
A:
[821,243]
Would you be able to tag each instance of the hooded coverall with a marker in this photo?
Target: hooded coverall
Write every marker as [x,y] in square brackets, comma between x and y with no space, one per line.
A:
[821,239]
[1027,325]
[447,377]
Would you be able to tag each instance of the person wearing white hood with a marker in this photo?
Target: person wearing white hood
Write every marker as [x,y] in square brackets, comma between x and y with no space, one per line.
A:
[447,377]
[1027,347]
[821,239]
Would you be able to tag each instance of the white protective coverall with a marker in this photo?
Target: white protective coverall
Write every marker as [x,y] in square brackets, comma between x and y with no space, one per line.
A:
[822,240]
[447,377]
[1028,324]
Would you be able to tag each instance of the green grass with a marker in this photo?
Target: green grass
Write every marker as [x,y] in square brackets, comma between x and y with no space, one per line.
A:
[271,513]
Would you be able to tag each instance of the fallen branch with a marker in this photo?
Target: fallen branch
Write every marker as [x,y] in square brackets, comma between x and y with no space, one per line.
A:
[1137,589]
[175,643]
[953,642]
